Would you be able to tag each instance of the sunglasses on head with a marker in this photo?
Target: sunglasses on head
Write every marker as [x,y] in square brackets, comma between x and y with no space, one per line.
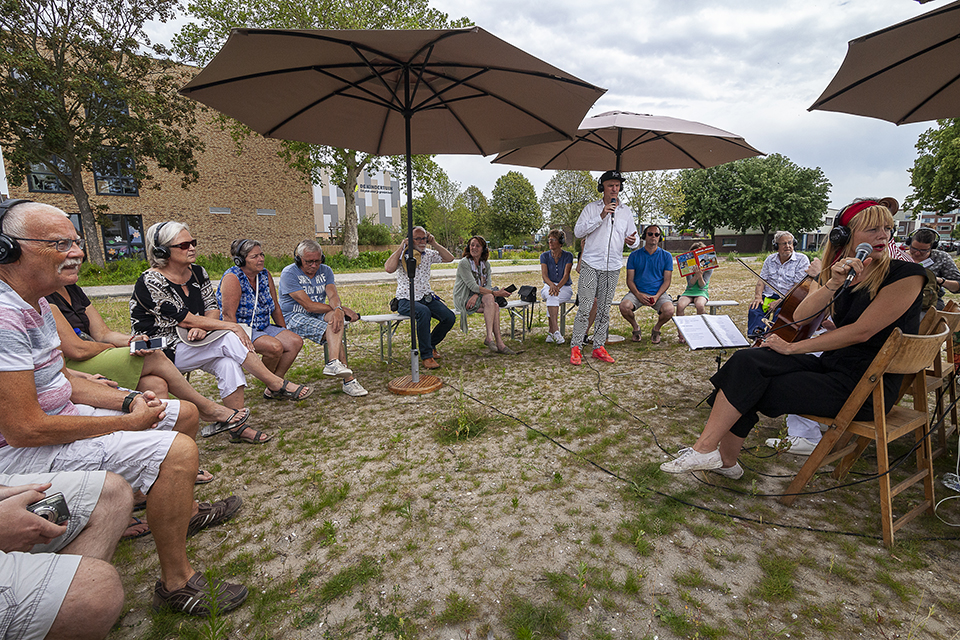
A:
[183,246]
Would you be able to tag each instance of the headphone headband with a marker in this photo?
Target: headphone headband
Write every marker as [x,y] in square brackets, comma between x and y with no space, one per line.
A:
[9,248]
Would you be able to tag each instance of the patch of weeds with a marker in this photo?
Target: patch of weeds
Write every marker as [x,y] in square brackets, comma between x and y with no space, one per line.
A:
[570,590]
[380,625]
[596,538]
[903,591]
[631,583]
[323,536]
[691,579]
[776,585]
[323,497]
[458,609]
[686,624]
[465,423]
[527,620]
[344,581]
[655,520]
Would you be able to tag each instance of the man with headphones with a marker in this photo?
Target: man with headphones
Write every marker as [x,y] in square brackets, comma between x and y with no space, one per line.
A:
[605,226]
[922,246]
[311,308]
[780,271]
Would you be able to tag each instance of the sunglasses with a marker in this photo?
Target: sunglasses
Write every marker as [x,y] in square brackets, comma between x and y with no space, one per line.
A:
[653,234]
[183,246]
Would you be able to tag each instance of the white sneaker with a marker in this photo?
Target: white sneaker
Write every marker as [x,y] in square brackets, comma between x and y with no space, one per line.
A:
[353,388]
[734,473]
[794,444]
[338,369]
[558,338]
[690,460]
[550,337]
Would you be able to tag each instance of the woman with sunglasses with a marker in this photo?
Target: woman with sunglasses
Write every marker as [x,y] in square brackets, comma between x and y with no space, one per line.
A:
[176,293]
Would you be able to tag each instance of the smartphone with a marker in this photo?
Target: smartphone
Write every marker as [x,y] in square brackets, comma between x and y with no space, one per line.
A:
[510,289]
[146,345]
[52,508]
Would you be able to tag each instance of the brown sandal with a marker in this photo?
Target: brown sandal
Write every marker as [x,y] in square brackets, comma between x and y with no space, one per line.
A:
[258,438]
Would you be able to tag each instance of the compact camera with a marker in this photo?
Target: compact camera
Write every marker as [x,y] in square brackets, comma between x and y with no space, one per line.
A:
[52,508]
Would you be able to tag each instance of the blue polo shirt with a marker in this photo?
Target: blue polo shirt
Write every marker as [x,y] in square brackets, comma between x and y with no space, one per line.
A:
[648,269]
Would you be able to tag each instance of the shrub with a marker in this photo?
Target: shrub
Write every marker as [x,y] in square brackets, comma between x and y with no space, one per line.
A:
[371,233]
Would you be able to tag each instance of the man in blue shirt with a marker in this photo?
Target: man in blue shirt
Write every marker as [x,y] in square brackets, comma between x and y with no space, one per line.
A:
[649,272]
[311,309]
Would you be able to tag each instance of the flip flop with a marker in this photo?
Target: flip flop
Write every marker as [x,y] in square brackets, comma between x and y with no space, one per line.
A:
[285,393]
[258,438]
[135,529]
[655,336]
[219,427]
[203,477]
[637,335]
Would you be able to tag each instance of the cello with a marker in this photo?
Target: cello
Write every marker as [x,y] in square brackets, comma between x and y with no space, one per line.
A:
[786,325]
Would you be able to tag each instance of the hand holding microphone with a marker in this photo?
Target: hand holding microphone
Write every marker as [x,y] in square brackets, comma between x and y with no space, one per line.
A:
[863,250]
[613,201]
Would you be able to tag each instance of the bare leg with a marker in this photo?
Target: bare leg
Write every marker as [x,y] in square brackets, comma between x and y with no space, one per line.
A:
[701,304]
[682,305]
[157,365]
[664,315]
[553,314]
[334,338]
[170,506]
[626,310]
[270,350]
[292,343]
[107,522]
[722,418]
[93,602]
[342,357]
[154,383]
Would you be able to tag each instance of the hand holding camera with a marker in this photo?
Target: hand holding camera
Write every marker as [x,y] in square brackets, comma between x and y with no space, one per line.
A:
[23,529]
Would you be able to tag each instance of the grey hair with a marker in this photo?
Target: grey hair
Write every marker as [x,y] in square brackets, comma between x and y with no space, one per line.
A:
[168,232]
[242,247]
[421,229]
[779,235]
[16,222]
[305,246]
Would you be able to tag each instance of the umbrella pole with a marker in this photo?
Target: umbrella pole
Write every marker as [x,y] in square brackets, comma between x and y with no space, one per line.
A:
[412,384]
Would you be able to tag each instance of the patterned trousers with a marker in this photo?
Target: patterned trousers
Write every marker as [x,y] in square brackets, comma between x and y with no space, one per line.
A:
[594,284]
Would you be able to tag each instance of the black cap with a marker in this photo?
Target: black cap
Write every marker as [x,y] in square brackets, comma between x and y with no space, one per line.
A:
[610,175]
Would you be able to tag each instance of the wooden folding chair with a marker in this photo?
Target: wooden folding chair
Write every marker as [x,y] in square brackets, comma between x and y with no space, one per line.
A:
[942,380]
[847,438]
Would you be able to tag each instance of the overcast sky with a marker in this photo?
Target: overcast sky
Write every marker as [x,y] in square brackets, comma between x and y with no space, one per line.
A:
[747,66]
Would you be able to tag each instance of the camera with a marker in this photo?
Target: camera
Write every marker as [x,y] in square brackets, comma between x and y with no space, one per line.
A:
[144,345]
[52,508]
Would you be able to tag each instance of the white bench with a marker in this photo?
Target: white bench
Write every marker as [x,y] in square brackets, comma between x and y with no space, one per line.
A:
[388,323]
[713,305]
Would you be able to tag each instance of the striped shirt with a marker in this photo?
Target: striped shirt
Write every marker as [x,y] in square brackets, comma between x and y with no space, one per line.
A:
[29,342]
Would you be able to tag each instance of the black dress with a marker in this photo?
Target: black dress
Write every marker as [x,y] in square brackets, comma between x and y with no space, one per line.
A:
[764,381]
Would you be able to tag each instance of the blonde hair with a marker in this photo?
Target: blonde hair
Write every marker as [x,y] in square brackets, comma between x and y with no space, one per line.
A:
[873,216]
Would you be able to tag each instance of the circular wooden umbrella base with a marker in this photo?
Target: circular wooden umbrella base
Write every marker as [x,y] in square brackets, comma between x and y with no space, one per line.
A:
[405,386]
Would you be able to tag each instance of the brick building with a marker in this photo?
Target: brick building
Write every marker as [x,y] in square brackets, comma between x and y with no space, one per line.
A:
[251,195]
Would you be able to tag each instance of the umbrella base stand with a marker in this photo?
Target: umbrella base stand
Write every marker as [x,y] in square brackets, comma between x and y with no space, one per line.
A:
[405,386]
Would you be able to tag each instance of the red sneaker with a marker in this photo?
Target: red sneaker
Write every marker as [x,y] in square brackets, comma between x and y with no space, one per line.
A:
[575,356]
[601,354]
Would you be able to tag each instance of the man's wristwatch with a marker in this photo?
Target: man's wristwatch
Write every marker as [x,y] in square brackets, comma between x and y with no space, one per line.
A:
[125,407]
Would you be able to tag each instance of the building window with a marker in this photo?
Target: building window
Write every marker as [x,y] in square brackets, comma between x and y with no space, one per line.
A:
[123,237]
[266,212]
[114,176]
[220,210]
[729,242]
[42,180]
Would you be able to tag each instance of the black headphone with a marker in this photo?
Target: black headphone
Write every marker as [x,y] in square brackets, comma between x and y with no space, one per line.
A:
[160,252]
[609,175]
[840,235]
[238,258]
[9,247]
[299,261]
[794,243]
[936,239]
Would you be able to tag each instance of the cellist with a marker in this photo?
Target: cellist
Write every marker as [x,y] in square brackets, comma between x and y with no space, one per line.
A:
[780,272]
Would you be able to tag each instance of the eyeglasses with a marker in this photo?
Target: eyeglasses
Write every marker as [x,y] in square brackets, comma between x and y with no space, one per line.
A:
[312,261]
[183,246]
[63,244]
[652,234]
[419,238]
[918,251]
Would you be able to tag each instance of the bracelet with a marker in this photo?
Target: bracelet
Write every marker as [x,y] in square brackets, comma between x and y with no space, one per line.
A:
[125,407]
[829,289]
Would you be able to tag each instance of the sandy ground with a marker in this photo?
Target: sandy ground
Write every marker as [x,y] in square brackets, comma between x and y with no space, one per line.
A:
[556,509]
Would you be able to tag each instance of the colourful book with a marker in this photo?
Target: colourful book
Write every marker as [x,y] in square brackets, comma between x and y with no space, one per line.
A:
[707,257]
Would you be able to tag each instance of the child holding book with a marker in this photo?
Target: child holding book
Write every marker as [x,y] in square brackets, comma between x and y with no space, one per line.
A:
[696,291]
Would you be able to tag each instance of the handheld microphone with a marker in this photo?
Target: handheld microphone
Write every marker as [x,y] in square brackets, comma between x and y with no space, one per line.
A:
[863,250]
[613,201]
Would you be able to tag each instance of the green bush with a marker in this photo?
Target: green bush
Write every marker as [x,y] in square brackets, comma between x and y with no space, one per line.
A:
[119,272]
[366,260]
[371,233]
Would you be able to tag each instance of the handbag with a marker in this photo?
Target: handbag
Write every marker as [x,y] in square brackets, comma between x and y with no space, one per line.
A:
[528,293]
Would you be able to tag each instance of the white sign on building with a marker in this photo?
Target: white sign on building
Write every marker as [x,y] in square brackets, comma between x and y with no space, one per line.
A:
[377,198]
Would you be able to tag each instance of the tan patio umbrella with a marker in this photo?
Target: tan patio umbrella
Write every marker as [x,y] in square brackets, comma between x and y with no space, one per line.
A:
[909,72]
[634,142]
[391,93]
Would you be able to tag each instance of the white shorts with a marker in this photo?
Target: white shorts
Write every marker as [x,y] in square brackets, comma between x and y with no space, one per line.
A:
[33,585]
[222,359]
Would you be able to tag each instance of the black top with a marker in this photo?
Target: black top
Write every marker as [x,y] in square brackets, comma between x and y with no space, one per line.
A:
[74,310]
[159,305]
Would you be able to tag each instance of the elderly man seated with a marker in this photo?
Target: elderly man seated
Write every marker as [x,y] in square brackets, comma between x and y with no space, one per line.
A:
[57,579]
[311,309]
[52,421]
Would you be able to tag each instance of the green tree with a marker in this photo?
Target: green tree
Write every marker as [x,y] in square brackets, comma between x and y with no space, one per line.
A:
[78,95]
[199,41]
[765,194]
[475,202]
[935,176]
[514,210]
[451,221]
[653,195]
[564,197]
